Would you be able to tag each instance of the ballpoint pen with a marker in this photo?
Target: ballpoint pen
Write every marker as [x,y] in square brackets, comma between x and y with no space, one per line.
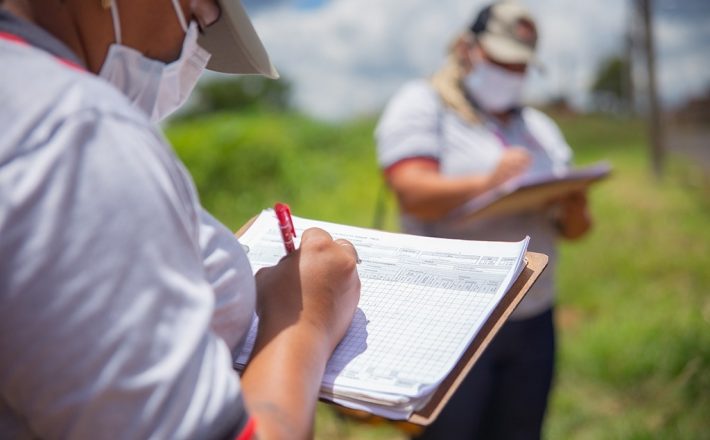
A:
[283,213]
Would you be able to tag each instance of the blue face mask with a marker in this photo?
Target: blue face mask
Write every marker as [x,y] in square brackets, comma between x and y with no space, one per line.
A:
[155,87]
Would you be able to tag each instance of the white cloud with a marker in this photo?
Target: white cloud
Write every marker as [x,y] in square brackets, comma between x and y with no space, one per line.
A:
[575,37]
[349,56]
[684,71]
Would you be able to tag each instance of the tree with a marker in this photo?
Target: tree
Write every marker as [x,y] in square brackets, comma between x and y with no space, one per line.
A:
[611,89]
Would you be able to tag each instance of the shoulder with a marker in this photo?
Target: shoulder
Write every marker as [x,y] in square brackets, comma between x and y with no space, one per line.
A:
[537,118]
[417,94]
[416,102]
[409,125]
[541,124]
[40,94]
[68,132]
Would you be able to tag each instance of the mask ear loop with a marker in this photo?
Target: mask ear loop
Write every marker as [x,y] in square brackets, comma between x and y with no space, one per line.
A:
[180,15]
[116,20]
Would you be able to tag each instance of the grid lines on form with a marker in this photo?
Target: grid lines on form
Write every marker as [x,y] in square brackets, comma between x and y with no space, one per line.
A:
[413,336]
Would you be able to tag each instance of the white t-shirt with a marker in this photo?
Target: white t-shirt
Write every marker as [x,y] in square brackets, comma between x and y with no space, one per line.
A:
[417,124]
[121,300]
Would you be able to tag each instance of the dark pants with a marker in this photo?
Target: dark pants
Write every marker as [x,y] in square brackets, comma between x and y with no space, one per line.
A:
[505,394]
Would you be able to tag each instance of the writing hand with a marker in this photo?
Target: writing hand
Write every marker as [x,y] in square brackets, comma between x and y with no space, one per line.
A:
[316,287]
[513,162]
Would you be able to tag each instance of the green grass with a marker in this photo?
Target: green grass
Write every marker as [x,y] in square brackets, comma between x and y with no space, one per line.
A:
[635,315]
[634,312]
[244,163]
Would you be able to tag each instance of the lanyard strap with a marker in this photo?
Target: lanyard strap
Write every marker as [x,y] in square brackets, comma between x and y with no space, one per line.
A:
[530,140]
[499,136]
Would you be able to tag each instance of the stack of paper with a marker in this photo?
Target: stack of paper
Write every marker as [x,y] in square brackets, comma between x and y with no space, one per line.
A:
[423,301]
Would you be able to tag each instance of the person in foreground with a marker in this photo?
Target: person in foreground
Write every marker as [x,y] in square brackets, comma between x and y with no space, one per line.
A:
[121,299]
[447,139]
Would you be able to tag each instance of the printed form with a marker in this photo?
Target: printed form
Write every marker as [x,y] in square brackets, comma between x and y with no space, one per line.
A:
[423,300]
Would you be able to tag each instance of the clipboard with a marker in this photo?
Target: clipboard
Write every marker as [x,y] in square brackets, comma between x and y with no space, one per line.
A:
[526,196]
[535,264]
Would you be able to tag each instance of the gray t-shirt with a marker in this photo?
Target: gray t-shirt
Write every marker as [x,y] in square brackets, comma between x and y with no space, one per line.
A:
[417,124]
[121,299]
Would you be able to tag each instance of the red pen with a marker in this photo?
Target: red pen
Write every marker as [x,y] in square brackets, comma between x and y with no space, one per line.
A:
[283,213]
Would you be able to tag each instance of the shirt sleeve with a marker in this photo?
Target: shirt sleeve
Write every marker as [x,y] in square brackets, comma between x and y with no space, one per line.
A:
[105,309]
[409,126]
[229,273]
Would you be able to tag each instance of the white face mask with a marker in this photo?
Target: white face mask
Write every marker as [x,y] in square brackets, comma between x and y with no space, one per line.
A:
[156,88]
[494,88]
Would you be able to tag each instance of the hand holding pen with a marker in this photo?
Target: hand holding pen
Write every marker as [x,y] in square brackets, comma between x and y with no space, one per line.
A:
[317,283]
[305,304]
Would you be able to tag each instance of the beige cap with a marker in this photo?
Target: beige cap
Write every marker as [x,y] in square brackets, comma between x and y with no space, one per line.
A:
[507,33]
[234,44]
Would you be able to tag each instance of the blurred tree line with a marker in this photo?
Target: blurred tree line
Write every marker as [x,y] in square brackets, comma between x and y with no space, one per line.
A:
[241,93]
[612,88]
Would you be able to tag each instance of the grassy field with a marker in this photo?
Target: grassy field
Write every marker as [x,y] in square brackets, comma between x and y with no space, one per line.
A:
[634,308]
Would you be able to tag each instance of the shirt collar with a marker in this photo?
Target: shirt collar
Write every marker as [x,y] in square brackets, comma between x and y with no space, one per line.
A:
[37,37]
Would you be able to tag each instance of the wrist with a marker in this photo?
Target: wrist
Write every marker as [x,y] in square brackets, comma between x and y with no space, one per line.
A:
[480,184]
[299,336]
[282,380]
[489,182]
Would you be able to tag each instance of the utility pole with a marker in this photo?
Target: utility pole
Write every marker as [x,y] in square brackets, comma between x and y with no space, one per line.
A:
[628,83]
[654,114]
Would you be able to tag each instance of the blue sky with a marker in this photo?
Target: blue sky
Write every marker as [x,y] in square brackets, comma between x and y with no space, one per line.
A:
[308,4]
[347,57]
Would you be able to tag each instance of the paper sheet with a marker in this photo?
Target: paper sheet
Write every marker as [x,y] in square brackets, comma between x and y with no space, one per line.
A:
[423,300]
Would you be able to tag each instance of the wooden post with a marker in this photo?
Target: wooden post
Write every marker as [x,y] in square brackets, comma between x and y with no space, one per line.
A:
[654,114]
[629,85]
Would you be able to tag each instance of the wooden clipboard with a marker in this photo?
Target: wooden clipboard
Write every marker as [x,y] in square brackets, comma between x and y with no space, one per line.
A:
[533,196]
[535,264]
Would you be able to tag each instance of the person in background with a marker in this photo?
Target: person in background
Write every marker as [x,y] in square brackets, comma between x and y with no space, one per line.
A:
[121,299]
[445,140]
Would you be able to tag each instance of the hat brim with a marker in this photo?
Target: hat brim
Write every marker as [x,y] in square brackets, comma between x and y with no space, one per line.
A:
[234,44]
[505,50]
